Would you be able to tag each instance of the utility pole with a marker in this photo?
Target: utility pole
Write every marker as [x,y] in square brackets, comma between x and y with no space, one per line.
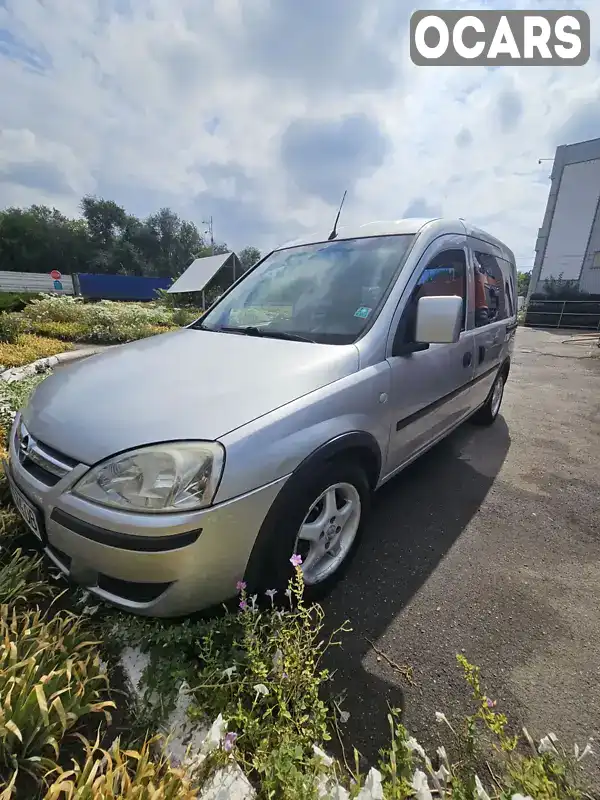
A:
[210,231]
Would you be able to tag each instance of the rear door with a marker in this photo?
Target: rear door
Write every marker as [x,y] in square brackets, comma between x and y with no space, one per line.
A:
[430,389]
[493,302]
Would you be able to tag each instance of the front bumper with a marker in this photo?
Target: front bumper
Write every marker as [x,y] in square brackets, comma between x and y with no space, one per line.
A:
[160,565]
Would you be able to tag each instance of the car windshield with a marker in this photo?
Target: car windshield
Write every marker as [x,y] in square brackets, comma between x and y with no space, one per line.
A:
[327,292]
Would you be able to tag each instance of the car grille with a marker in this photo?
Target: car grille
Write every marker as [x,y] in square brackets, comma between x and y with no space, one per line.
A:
[42,462]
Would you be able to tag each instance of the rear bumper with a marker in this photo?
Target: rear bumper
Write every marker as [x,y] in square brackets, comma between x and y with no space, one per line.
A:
[159,565]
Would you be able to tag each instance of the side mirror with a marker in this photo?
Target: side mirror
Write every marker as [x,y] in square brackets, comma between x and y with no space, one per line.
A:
[439,320]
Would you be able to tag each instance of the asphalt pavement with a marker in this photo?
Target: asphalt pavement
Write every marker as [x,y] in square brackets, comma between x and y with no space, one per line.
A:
[489,545]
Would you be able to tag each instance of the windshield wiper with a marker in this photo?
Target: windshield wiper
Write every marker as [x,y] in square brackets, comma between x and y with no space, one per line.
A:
[251,330]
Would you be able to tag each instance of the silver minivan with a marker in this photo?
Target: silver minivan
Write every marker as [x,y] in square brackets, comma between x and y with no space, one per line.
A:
[161,473]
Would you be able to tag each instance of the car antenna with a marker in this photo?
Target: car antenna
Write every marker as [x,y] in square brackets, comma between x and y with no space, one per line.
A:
[333,233]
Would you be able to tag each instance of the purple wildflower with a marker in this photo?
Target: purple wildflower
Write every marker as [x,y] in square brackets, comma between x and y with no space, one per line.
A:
[490,703]
[243,605]
[296,560]
[229,741]
[240,586]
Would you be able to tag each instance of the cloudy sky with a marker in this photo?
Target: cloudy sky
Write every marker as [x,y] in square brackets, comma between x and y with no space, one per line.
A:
[261,112]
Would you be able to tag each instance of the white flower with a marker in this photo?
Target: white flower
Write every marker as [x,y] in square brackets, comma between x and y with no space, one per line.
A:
[480,792]
[441,717]
[325,760]
[372,790]
[415,747]
[421,786]
[260,688]
[443,756]
[521,797]
[339,793]
[546,744]
[344,717]
[214,736]
[587,751]
[442,774]
[227,673]
[253,600]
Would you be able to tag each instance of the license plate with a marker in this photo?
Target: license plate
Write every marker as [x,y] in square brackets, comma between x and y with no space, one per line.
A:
[26,510]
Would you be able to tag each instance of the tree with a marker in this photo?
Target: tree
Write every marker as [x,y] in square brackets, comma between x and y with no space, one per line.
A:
[248,257]
[40,239]
[523,279]
[105,240]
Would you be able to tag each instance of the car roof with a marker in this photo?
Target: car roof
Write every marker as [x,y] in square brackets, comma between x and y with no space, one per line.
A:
[378,228]
[436,226]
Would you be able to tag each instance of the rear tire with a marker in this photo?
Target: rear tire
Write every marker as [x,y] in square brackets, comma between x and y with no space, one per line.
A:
[331,506]
[489,411]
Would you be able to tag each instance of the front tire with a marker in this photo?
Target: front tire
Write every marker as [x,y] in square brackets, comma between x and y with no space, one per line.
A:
[320,518]
[489,411]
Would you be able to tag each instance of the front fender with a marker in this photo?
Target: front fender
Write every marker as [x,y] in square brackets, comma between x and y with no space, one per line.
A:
[275,445]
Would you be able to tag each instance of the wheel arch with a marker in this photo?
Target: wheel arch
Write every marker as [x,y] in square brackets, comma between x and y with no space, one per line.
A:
[358,445]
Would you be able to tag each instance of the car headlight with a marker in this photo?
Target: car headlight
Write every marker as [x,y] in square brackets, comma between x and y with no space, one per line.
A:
[181,476]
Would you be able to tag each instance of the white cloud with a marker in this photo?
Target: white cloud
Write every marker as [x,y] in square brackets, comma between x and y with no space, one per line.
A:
[187,104]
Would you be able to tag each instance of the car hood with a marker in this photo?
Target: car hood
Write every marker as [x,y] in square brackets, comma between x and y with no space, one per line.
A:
[188,384]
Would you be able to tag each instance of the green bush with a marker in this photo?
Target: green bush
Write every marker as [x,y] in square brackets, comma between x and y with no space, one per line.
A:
[119,774]
[185,316]
[10,328]
[29,348]
[15,301]
[50,677]
[97,334]
[107,322]
[51,308]
[19,579]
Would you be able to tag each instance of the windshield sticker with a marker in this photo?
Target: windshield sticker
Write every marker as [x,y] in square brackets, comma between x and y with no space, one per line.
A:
[362,312]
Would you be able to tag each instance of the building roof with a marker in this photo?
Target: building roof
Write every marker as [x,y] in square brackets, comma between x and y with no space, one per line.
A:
[200,273]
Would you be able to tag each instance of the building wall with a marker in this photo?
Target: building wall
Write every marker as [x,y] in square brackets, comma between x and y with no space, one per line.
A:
[571,225]
[590,273]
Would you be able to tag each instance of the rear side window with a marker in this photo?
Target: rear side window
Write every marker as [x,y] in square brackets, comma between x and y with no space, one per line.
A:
[509,285]
[490,301]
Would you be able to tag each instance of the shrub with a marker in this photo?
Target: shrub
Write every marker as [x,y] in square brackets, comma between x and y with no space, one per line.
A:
[15,301]
[29,348]
[18,579]
[185,316]
[106,322]
[10,328]
[50,677]
[117,774]
[104,313]
[13,396]
[97,334]
[12,526]
[261,670]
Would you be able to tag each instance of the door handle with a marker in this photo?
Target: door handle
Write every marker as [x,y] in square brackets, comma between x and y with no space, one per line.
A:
[481,353]
[467,359]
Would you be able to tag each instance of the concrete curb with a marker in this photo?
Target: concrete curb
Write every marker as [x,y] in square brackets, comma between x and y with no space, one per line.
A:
[43,364]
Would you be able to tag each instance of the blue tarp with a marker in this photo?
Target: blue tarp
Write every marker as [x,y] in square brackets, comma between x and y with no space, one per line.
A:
[120,287]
